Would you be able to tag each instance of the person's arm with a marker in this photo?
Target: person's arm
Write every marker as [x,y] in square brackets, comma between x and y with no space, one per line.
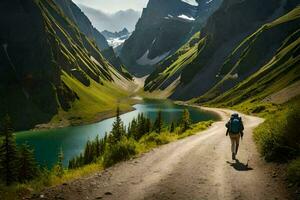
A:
[242,125]
[227,126]
[242,129]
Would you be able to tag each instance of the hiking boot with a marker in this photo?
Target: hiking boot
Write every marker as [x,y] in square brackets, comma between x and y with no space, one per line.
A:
[233,156]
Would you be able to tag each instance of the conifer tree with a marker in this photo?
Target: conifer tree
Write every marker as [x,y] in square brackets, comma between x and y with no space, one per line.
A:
[26,164]
[158,124]
[8,153]
[148,125]
[186,120]
[88,153]
[59,169]
[172,129]
[118,130]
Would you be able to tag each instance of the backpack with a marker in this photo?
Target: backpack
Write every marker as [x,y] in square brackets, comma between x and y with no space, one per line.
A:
[235,125]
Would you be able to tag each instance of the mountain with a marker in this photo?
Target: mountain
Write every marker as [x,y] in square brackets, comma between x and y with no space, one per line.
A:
[73,12]
[112,22]
[50,71]
[236,42]
[163,27]
[279,72]
[111,56]
[117,38]
[117,34]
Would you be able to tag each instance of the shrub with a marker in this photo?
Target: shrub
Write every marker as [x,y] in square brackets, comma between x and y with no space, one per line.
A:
[278,138]
[120,151]
[293,171]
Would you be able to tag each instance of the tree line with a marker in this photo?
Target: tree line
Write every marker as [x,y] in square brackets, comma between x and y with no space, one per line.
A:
[136,129]
[18,163]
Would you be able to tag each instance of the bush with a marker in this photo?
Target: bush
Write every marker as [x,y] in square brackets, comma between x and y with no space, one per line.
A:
[154,138]
[293,171]
[122,150]
[278,138]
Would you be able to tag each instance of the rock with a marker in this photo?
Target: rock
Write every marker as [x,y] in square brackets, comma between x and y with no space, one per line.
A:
[108,193]
[42,196]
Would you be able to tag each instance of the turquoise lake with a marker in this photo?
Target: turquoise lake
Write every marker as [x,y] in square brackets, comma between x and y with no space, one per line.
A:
[47,143]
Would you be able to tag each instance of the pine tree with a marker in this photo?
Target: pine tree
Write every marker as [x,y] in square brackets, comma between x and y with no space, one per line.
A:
[148,125]
[118,130]
[158,124]
[172,129]
[8,153]
[186,120]
[59,168]
[133,129]
[26,164]
[88,153]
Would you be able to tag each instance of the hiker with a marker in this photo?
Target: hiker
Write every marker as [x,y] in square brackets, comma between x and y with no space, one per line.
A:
[235,130]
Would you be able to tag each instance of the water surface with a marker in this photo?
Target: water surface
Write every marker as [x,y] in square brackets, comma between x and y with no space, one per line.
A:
[72,140]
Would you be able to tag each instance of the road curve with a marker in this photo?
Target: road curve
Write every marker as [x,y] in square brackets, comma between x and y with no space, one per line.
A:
[197,167]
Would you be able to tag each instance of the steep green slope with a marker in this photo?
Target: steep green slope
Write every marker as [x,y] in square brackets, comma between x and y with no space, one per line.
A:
[282,70]
[263,46]
[48,67]
[110,55]
[73,12]
[170,69]
[225,32]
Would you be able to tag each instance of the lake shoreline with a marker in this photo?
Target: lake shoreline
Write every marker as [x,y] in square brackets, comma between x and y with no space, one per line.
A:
[101,116]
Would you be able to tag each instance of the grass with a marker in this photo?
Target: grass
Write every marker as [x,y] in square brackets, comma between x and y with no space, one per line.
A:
[96,102]
[276,69]
[174,64]
[46,179]
[278,138]
[293,171]
[124,150]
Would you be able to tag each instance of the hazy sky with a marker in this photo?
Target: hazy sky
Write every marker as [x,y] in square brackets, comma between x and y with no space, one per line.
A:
[112,6]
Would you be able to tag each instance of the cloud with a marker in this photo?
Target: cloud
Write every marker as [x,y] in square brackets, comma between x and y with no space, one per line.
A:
[112,22]
[113,6]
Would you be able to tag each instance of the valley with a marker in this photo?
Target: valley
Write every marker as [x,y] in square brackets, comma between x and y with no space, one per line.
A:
[88,111]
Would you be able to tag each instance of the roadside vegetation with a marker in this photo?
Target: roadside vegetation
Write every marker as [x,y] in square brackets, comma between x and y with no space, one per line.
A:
[22,177]
[278,138]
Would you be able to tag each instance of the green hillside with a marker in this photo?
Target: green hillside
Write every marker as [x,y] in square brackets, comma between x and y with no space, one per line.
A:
[232,46]
[50,67]
[274,50]
[170,69]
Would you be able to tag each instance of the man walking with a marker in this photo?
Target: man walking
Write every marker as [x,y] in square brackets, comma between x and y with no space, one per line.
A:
[235,130]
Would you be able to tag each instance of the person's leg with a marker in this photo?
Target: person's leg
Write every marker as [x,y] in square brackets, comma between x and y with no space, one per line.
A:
[233,146]
[237,142]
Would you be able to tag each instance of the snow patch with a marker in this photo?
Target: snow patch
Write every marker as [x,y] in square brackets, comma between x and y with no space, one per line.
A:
[144,60]
[186,17]
[169,17]
[115,42]
[209,1]
[191,2]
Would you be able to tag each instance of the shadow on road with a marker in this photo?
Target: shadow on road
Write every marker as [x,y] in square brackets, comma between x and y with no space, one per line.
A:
[237,165]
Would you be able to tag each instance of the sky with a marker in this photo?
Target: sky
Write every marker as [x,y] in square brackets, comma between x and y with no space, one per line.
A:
[112,6]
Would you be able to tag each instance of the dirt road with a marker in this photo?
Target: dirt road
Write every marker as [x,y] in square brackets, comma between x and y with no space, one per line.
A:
[198,167]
